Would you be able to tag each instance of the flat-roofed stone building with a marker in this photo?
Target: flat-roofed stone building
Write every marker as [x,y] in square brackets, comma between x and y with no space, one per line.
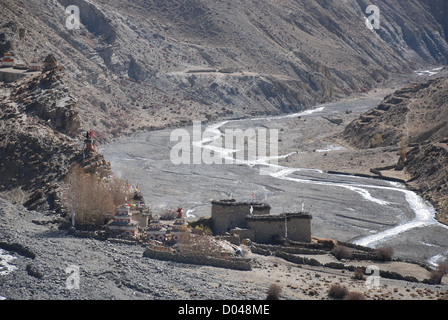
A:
[292,226]
[253,220]
[229,214]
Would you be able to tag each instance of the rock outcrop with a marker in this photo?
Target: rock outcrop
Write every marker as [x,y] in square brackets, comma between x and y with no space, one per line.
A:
[40,139]
[47,98]
[428,167]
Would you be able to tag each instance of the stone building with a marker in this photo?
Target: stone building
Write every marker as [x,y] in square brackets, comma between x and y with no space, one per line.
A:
[229,214]
[253,220]
[292,226]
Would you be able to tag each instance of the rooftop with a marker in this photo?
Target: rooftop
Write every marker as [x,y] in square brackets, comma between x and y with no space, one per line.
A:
[233,202]
[283,216]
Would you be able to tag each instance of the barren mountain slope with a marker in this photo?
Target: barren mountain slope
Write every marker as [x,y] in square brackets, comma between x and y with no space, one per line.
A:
[415,114]
[147,64]
[415,119]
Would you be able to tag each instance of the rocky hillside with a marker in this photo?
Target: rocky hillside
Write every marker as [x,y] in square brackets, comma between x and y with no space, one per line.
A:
[139,65]
[145,64]
[414,119]
[40,139]
[414,114]
[427,164]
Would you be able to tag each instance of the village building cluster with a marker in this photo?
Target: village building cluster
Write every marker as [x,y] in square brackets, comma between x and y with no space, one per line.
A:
[253,220]
[134,221]
[9,61]
[247,220]
[12,69]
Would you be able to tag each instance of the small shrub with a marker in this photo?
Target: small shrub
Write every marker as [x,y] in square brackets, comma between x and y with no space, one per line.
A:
[443,268]
[274,292]
[353,295]
[337,291]
[341,252]
[202,221]
[376,141]
[201,230]
[384,253]
[435,276]
[359,273]
[168,214]
[202,226]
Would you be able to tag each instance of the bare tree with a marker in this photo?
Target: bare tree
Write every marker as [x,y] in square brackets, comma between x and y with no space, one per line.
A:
[88,198]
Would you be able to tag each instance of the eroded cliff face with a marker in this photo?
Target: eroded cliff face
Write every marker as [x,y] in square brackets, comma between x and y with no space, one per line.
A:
[46,97]
[439,10]
[142,64]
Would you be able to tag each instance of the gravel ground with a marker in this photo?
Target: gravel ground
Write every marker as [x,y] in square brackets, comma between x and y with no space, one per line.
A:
[115,271]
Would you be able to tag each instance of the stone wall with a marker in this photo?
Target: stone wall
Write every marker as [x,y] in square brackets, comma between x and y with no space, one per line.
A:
[293,255]
[7,77]
[293,226]
[243,233]
[230,263]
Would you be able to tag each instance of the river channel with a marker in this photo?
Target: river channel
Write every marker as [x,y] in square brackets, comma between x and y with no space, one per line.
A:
[361,210]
